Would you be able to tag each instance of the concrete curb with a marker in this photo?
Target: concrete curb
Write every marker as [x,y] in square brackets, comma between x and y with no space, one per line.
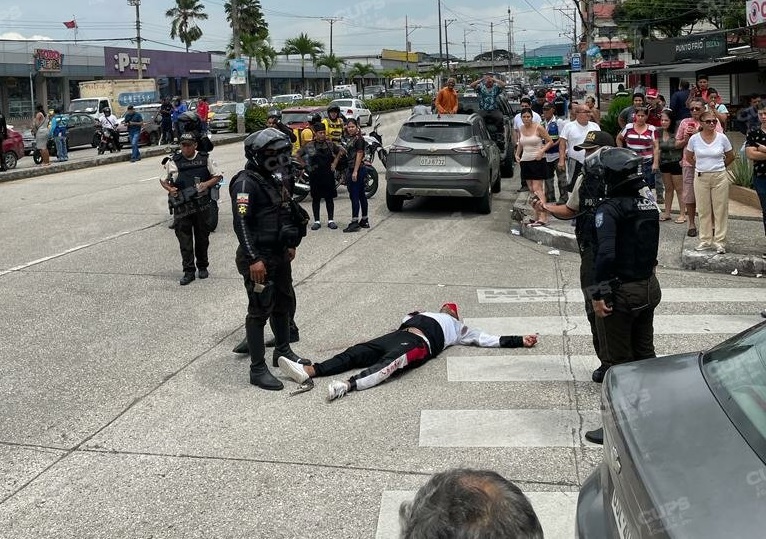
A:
[745,265]
[551,235]
[55,167]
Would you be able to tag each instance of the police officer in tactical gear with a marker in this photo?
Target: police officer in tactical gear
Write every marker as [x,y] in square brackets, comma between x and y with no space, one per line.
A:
[627,240]
[269,226]
[581,205]
[191,175]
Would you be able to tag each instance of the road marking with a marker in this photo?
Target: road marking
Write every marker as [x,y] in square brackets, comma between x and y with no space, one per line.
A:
[520,368]
[669,295]
[688,324]
[556,512]
[504,428]
[69,251]
[153,178]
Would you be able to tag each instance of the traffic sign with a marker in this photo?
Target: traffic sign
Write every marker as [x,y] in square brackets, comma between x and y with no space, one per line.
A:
[575,62]
[544,61]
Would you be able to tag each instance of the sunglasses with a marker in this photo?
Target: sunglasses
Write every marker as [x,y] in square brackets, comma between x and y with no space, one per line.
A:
[711,122]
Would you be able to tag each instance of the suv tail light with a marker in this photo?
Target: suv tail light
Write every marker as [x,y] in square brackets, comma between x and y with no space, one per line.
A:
[350,112]
[468,149]
[398,149]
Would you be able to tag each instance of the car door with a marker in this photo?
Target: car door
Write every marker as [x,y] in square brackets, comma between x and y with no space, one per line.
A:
[490,148]
[362,112]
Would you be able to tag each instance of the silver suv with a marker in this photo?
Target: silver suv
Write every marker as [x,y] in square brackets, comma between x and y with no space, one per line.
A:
[450,156]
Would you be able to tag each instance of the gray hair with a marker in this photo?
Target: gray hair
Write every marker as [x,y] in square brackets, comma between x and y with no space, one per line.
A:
[469,504]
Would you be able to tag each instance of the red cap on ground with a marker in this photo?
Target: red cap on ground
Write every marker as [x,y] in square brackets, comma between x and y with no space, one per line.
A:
[452,306]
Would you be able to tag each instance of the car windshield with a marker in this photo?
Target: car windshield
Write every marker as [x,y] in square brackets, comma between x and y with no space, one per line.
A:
[295,117]
[442,132]
[227,108]
[283,99]
[83,105]
[468,103]
[736,372]
[343,103]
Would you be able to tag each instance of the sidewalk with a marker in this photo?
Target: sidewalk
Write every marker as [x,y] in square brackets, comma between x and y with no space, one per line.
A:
[745,247]
[77,161]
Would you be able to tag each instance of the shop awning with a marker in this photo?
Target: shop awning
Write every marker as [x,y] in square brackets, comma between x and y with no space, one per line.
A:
[711,68]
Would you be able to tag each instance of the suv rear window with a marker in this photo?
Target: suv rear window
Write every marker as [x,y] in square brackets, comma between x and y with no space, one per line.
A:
[435,132]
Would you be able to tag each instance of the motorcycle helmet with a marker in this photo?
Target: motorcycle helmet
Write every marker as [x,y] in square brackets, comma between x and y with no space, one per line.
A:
[419,100]
[275,113]
[267,147]
[315,118]
[621,170]
[107,111]
[333,108]
[189,122]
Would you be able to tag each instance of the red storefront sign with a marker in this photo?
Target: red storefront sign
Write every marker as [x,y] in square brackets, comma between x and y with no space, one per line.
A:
[47,60]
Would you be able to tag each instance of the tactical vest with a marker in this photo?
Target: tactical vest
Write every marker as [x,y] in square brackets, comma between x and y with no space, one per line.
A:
[191,171]
[638,237]
[334,129]
[266,208]
[591,193]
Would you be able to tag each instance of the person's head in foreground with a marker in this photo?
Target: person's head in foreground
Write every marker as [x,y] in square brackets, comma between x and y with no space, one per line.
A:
[469,504]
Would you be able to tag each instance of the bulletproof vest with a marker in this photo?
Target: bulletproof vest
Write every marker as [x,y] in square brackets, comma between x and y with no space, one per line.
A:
[266,210]
[191,171]
[638,237]
[334,129]
[591,193]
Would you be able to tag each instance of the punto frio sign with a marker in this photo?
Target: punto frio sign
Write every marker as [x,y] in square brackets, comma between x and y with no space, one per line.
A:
[695,48]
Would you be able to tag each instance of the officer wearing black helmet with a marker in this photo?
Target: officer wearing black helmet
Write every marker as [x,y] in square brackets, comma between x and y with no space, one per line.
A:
[269,226]
[627,240]
[274,119]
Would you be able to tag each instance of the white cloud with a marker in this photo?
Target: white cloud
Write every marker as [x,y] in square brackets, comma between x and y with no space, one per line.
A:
[17,36]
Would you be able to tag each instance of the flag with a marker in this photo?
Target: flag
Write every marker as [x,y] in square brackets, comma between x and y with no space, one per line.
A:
[71,24]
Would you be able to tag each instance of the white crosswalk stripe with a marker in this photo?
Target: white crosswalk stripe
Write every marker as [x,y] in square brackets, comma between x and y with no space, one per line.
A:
[547,428]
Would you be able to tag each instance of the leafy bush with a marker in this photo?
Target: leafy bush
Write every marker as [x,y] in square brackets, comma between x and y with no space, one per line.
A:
[609,121]
[390,103]
[741,171]
[255,119]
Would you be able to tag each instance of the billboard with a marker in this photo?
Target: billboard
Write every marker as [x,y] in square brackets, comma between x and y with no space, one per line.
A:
[123,63]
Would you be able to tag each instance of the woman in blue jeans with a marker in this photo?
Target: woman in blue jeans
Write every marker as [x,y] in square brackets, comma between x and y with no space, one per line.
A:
[755,149]
[355,176]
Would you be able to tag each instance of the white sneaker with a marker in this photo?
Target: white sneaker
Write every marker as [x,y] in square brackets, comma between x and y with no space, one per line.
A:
[293,370]
[719,248]
[703,246]
[336,390]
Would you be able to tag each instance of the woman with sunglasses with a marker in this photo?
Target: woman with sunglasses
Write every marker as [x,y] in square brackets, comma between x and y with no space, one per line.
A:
[670,166]
[641,137]
[710,152]
[685,130]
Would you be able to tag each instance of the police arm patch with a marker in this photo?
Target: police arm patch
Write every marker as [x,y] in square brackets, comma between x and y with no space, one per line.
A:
[599,219]
[243,198]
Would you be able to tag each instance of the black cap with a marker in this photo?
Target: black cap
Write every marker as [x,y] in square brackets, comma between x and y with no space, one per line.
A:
[548,106]
[187,137]
[595,139]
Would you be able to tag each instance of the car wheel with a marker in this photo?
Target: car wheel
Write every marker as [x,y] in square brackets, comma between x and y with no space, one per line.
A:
[394,202]
[484,203]
[506,166]
[496,185]
[11,160]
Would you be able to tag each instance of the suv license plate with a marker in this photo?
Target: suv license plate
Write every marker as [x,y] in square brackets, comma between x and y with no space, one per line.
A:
[438,160]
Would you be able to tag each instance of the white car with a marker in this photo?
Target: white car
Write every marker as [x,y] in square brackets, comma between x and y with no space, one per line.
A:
[354,108]
[259,102]
[286,99]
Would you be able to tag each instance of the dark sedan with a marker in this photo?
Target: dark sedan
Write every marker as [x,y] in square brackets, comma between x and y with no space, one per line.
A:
[81,130]
[684,447]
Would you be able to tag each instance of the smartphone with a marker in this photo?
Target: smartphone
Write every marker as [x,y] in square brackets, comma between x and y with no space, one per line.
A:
[258,288]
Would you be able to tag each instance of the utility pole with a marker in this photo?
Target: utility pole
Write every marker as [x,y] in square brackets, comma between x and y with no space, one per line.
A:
[510,40]
[465,50]
[439,5]
[447,22]
[331,20]
[492,46]
[407,31]
[137,3]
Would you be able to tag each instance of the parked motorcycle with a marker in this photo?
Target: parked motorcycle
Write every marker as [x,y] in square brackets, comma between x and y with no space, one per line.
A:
[37,157]
[107,141]
[375,144]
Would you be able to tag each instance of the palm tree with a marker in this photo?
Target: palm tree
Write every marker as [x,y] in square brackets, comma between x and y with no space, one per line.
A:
[304,46]
[331,62]
[250,19]
[264,55]
[361,70]
[185,16]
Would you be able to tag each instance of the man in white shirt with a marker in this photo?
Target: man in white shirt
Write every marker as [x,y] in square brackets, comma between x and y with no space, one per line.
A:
[108,123]
[572,135]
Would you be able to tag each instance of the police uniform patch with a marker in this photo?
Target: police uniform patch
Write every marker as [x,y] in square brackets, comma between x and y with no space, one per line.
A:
[242,209]
[243,198]
[599,219]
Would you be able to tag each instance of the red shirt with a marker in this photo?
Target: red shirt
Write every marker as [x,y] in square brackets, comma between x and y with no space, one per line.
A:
[203,109]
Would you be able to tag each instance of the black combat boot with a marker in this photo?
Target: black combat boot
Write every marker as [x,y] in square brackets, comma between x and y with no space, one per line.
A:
[259,373]
[242,348]
[295,336]
[281,326]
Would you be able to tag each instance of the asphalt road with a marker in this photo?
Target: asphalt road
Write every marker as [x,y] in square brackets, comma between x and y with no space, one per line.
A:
[125,414]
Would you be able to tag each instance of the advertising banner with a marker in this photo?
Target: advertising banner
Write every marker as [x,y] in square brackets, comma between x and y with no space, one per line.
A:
[48,61]
[123,63]
[583,83]
[238,71]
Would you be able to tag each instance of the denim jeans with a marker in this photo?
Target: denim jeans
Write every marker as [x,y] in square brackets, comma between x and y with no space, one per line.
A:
[759,182]
[134,155]
[61,151]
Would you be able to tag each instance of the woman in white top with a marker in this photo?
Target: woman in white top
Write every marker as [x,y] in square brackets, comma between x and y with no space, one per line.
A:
[710,153]
[533,142]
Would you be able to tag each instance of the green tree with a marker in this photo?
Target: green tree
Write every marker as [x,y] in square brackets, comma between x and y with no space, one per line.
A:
[361,70]
[185,15]
[252,24]
[660,16]
[303,46]
[331,62]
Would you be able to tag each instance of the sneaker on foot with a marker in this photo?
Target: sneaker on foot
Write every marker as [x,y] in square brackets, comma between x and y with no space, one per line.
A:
[331,225]
[316,226]
[336,390]
[353,226]
[364,223]
[703,246]
[293,370]
[719,248]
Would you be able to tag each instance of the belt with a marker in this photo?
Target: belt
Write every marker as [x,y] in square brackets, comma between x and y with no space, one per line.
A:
[711,172]
[416,331]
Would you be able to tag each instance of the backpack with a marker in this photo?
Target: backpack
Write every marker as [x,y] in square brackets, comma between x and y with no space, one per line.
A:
[61,126]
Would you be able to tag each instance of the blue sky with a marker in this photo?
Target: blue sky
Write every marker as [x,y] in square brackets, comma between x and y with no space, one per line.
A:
[365,26]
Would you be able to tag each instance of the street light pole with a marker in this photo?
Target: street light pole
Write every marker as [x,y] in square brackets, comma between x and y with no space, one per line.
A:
[407,32]
[137,3]
[465,49]
[439,5]
[447,22]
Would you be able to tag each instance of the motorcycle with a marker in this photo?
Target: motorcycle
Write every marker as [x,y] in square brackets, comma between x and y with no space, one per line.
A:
[375,144]
[37,157]
[106,141]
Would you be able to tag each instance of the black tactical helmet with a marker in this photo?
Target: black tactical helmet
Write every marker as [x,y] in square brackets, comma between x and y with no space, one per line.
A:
[419,100]
[315,118]
[621,169]
[333,108]
[189,122]
[275,113]
[265,144]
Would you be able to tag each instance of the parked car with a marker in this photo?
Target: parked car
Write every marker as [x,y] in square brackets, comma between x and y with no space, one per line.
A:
[399,92]
[13,147]
[81,130]
[335,94]
[286,99]
[374,91]
[354,108]
[450,156]
[151,130]
[218,119]
[298,117]
[258,102]
[468,104]
[424,88]
[684,446]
